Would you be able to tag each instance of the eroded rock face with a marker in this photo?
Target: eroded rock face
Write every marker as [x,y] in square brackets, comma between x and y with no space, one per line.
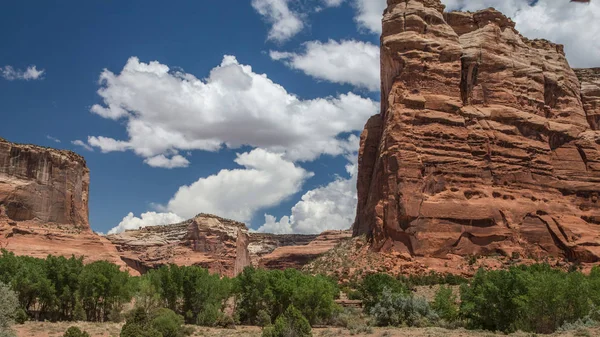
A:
[590,94]
[44,205]
[209,241]
[223,246]
[44,184]
[485,144]
[272,251]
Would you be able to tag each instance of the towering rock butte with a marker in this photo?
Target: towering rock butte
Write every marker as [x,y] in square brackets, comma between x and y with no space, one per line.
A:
[44,204]
[487,142]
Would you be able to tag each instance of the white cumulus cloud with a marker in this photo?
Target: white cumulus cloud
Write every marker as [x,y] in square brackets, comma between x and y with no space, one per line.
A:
[328,207]
[265,180]
[130,221]
[369,14]
[163,161]
[166,112]
[285,23]
[347,62]
[31,73]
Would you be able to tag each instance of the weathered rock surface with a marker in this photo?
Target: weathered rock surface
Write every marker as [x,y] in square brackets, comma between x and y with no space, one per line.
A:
[272,251]
[486,143]
[221,245]
[44,184]
[206,240]
[590,94]
[44,204]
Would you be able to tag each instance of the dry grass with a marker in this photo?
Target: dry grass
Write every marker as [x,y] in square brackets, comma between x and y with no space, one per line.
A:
[39,329]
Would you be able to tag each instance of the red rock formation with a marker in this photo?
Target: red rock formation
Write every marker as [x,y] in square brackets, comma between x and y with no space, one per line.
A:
[44,204]
[44,184]
[302,250]
[220,245]
[590,94]
[209,241]
[483,144]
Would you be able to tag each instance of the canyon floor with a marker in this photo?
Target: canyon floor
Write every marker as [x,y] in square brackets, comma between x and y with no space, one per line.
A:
[45,329]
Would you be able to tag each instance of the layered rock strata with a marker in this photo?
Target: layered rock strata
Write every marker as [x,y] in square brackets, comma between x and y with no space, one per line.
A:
[44,184]
[486,142]
[44,204]
[209,241]
[272,251]
[221,245]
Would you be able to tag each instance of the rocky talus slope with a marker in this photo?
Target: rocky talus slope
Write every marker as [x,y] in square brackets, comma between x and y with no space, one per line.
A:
[487,142]
[44,204]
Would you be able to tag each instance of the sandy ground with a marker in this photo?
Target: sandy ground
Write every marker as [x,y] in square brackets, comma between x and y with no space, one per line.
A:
[37,329]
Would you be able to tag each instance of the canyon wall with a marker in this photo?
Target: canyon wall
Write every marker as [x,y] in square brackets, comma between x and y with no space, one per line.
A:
[220,245]
[44,204]
[486,143]
[44,184]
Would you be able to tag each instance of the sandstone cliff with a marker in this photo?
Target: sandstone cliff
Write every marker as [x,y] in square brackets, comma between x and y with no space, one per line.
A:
[44,204]
[273,251]
[486,142]
[217,244]
[44,184]
[221,245]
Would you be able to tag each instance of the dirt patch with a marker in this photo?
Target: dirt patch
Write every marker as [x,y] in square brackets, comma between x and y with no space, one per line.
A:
[45,329]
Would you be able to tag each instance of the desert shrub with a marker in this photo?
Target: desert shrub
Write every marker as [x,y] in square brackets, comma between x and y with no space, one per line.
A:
[21,316]
[159,323]
[273,291]
[75,332]
[373,285]
[226,321]
[167,322]
[445,304]
[209,315]
[398,309]
[433,278]
[290,323]
[8,307]
[263,318]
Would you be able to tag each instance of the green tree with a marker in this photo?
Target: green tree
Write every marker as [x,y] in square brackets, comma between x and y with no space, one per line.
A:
[103,288]
[445,304]
[274,291]
[372,286]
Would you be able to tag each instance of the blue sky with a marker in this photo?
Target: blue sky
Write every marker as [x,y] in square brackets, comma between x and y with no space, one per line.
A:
[243,109]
